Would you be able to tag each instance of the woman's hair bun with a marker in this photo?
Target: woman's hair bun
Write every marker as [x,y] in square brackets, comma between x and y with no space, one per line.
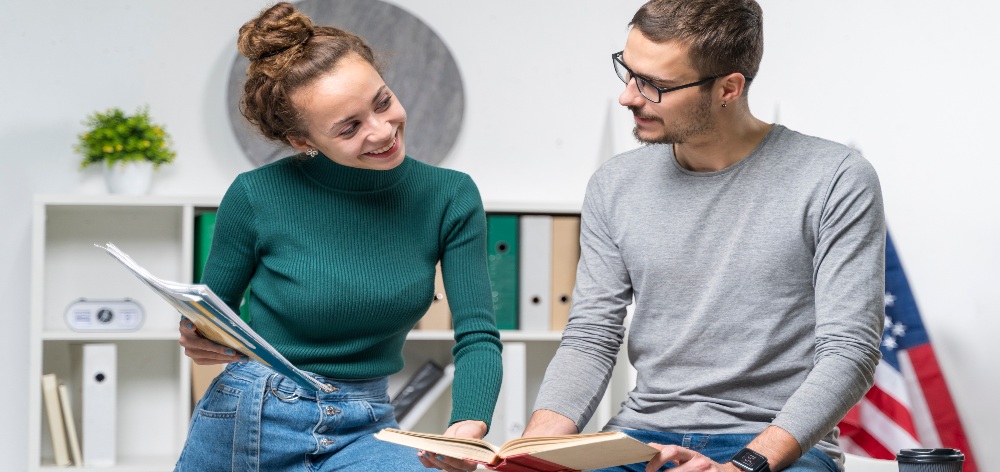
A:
[277,29]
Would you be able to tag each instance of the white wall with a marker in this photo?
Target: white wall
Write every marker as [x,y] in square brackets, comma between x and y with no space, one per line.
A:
[909,83]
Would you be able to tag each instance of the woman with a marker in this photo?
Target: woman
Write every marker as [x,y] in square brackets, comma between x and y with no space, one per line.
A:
[340,245]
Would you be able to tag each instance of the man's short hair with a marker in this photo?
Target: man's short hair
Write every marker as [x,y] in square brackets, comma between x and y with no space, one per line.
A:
[724,36]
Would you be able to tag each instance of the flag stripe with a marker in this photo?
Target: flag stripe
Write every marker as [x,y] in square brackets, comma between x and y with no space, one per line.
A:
[926,430]
[942,409]
[888,405]
[884,429]
[893,383]
[866,445]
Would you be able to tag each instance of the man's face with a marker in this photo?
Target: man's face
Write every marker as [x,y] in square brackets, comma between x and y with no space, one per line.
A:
[682,114]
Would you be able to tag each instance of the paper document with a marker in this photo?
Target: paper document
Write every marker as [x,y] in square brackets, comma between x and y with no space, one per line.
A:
[216,321]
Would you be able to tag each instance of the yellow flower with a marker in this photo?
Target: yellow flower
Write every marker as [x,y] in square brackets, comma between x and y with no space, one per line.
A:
[118,147]
[145,144]
[107,149]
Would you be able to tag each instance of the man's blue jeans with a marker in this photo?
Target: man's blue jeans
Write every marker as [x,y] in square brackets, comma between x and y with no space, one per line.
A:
[252,419]
[720,448]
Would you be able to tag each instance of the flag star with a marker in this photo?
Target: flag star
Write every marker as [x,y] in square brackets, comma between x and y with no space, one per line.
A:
[898,329]
[889,343]
[887,323]
[889,299]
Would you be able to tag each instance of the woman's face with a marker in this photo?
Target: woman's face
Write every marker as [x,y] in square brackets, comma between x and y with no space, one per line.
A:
[352,117]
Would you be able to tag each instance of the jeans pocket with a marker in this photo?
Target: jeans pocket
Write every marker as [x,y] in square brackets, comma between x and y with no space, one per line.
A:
[221,402]
[378,410]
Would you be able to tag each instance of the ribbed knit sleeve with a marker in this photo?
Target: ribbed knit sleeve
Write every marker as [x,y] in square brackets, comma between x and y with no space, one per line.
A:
[477,348]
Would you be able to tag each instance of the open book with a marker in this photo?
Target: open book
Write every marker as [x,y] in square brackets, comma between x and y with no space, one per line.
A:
[537,454]
[216,321]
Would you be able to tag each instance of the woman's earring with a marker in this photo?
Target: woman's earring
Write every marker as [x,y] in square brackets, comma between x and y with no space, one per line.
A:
[313,153]
[723,104]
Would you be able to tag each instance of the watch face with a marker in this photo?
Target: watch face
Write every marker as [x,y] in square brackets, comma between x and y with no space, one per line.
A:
[750,460]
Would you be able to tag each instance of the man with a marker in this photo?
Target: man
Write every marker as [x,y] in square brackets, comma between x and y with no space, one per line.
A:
[755,256]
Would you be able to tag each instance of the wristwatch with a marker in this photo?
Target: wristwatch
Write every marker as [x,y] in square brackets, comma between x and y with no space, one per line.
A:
[750,461]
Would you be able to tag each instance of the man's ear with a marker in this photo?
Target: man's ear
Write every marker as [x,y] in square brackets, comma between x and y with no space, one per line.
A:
[733,86]
[299,143]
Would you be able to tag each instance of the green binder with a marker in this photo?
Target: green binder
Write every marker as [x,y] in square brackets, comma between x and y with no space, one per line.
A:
[204,228]
[501,236]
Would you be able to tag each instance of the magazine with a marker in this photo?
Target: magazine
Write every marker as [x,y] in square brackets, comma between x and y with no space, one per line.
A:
[216,321]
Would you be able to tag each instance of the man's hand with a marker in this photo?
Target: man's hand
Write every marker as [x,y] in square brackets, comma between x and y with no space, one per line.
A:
[461,429]
[204,351]
[549,423]
[686,460]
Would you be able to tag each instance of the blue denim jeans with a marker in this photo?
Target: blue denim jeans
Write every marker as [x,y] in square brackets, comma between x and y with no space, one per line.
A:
[720,448]
[253,419]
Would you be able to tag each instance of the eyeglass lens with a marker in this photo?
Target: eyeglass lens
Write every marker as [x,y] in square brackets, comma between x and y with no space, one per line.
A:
[645,88]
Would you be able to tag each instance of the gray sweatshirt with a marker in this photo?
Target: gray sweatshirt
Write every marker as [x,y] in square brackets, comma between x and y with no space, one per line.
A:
[758,292]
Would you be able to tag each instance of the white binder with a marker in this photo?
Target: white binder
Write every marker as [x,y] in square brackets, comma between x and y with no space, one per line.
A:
[535,273]
[514,390]
[96,369]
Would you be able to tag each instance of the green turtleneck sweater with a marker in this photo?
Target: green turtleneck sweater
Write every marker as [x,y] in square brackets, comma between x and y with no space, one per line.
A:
[342,263]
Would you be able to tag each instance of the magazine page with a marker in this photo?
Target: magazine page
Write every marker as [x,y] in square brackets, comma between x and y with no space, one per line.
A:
[215,320]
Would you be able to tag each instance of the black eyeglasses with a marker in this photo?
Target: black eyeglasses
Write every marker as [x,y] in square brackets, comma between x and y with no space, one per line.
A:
[647,88]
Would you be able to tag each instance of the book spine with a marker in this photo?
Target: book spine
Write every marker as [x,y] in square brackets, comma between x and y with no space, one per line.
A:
[70,421]
[53,411]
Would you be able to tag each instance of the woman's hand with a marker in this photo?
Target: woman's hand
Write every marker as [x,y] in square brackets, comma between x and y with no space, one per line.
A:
[461,429]
[203,351]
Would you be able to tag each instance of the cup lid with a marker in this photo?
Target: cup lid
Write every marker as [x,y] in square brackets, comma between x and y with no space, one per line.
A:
[930,455]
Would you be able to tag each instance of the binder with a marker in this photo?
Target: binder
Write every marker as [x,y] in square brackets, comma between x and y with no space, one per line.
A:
[565,257]
[419,384]
[201,377]
[70,422]
[96,369]
[427,400]
[535,272]
[513,389]
[53,411]
[502,245]
[438,316]
[204,229]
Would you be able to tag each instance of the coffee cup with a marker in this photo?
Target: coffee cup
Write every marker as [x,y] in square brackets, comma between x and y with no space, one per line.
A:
[930,460]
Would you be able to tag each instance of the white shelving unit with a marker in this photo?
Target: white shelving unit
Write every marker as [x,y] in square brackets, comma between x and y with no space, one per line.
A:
[154,386]
[153,377]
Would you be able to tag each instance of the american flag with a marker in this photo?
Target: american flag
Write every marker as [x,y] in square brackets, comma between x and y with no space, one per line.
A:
[909,406]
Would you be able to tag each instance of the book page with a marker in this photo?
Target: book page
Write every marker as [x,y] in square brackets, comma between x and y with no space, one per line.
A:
[595,452]
[463,448]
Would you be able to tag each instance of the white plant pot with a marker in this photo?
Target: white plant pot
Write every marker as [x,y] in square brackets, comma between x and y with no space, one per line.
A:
[129,178]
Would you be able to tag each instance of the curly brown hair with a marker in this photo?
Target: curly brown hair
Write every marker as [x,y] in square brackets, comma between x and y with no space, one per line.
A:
[287,52]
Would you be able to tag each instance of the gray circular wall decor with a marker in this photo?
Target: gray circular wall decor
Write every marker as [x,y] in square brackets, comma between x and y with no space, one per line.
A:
[419,69]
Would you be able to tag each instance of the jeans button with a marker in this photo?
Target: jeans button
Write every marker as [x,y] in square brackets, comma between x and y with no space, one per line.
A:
[325,442]
[330,411]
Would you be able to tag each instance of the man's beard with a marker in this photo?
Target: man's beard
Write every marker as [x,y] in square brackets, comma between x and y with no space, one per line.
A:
[699,121]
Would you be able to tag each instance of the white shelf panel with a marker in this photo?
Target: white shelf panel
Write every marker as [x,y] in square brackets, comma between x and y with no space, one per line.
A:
[121,200]
[572,208]
[122,336]
[131,464]
[505,335]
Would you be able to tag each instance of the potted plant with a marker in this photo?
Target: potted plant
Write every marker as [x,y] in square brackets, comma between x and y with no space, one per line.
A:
[129,147]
